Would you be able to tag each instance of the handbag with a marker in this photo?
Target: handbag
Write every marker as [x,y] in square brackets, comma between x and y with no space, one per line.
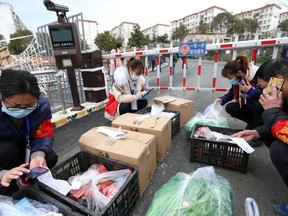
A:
[112,104]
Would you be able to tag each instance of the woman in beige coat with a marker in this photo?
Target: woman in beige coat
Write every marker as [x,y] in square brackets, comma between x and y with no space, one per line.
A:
[128,89]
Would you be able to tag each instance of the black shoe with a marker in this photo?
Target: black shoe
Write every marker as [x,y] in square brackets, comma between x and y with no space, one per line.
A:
[255,143]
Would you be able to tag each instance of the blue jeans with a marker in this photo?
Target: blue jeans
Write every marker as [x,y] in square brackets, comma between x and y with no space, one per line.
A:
[173,66]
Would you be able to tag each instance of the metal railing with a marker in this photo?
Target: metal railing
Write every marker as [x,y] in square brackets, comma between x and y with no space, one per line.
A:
[56,86]
[253,46]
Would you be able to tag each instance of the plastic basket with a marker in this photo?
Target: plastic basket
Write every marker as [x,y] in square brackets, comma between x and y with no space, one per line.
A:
[175,121]
[121,204]
[222,154]
[44,198]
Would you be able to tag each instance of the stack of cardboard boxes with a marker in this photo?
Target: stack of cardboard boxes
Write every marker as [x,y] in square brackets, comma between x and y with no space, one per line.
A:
[147,139]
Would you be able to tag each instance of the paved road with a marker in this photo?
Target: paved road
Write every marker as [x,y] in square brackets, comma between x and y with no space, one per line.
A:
[261,181]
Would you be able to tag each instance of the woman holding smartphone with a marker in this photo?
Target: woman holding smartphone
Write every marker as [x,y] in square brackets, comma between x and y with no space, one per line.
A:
[243,93]
[26,132]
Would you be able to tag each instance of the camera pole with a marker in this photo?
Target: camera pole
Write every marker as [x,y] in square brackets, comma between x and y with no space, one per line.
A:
[71,74]
[66,57]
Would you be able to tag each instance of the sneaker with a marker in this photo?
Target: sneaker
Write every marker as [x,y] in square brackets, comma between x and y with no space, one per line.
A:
[281,210]
[255,143]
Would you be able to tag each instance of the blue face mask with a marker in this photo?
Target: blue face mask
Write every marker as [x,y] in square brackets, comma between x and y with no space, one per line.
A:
[233,82]
[16,113]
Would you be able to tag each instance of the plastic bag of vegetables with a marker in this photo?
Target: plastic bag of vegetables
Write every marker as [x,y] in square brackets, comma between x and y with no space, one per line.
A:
[201,193]
[213,115]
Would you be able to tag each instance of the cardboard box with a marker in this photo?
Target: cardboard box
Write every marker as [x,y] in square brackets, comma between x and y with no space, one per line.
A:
[136,149]
[185,107]
[158,126]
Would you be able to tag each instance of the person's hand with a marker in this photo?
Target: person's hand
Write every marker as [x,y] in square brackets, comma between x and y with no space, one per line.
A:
[14,173]
[245,86]
[273,99]
[248,135]
[38,161]
[218,100]
[139,95]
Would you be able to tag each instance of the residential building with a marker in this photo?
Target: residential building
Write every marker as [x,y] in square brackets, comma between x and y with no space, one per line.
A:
[124,31]
[157,30]
[90,28]
[192,21]
[267,18]
[10,22]
[283,16]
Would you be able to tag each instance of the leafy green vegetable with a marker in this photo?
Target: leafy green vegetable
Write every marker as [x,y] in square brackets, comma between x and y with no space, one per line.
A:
[202,193]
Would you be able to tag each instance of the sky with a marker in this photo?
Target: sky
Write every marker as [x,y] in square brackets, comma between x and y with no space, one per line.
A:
[111,13]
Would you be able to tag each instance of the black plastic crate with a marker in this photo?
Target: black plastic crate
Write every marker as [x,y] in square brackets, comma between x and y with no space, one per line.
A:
[175,121]
[121,204]
[218,153]
[44,198]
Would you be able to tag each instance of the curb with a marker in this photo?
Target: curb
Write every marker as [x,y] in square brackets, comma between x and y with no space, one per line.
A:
[59,119]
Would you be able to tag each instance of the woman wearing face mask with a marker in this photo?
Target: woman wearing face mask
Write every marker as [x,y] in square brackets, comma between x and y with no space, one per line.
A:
[128,89]
[243,92]
[26,132]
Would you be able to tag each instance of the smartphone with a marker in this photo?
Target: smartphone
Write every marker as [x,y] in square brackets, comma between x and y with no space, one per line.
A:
[278,82]
[149,91]
[35,172]
[241,78]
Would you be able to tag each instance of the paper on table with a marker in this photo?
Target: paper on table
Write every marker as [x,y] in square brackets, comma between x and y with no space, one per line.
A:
[59,185]
[243,144]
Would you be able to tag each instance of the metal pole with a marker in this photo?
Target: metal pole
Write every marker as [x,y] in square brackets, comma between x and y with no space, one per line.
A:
[74,90]
[60,92]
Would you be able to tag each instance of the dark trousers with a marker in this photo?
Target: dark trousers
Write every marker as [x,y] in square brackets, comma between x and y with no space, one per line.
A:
[251,116]
[279,157]
[12,155]
[126,107]
[153,63]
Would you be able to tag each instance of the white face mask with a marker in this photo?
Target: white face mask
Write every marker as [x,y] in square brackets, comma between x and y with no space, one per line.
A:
[134,77]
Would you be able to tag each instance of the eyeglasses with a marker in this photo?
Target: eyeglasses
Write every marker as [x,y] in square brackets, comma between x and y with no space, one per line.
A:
[21,108]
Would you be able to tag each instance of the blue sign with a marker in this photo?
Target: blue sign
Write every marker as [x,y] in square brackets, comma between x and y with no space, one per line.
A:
[192,48]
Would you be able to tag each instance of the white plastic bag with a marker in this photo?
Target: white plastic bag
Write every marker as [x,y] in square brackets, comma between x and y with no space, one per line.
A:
[213,115]
[25,207]
[98,186]
[199,193]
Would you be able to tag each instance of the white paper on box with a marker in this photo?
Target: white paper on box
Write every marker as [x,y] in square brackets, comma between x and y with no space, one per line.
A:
[115,134]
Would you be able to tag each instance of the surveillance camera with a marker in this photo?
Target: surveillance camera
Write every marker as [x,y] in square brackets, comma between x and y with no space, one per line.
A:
[51,6]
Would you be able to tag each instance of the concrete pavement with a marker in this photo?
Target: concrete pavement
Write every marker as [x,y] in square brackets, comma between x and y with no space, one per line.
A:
[261,181]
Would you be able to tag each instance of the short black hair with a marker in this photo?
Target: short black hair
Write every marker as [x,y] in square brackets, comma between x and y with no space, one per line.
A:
[268,69]
[271,68]
[17,82]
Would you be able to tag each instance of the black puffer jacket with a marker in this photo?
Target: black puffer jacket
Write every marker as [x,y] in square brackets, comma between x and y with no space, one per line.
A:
[41,129]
